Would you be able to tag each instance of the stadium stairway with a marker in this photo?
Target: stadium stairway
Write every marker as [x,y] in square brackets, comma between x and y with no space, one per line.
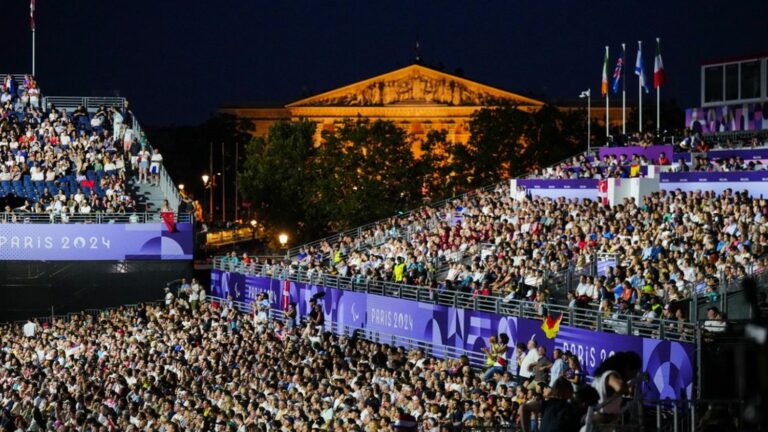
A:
[149,198]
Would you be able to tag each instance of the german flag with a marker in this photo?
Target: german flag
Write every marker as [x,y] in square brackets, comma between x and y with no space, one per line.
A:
[551,326]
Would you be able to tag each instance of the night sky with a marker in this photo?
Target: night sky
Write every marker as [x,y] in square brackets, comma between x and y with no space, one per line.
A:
[178,60]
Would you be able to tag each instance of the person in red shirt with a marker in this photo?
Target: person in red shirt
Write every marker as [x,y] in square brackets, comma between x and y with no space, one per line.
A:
[663,160]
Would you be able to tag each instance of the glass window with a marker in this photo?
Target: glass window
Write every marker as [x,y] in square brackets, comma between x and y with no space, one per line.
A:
[731,81]
[713,84]
[750,79]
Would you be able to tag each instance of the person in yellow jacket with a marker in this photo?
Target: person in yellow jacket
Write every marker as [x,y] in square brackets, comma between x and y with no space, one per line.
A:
[399,270]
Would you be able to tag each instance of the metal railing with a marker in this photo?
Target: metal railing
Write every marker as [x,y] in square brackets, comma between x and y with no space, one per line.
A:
[90,218]
[89,102]
[230,236]
[587,318]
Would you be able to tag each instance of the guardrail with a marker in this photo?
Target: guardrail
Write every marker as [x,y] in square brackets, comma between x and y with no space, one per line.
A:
[90,218]
[586,318]
[89,102]
[230,236]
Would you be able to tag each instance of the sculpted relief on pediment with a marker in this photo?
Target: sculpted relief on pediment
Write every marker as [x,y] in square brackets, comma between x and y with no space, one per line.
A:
[414,88]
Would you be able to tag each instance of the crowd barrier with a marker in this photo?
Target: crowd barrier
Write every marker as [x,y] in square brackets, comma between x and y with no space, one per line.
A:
[464,322]
[90,218]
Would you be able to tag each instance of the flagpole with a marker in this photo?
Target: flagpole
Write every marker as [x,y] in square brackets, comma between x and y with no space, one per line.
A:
[33,53]
[640,91]
[658,95]
[623,90]
[607,106]
[589,121]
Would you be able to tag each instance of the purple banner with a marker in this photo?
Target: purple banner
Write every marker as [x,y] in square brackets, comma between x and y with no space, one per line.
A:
[669,364]
[95,242]
[727,118]
[652,153]
[714,177]
[746,154]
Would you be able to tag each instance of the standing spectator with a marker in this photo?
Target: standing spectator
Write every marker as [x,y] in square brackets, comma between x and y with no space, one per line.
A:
[143,162]
[558,367]
[541,369]
[530,359]
[168,296]
[30,328]
[154,169]
[194,295]
[574,374]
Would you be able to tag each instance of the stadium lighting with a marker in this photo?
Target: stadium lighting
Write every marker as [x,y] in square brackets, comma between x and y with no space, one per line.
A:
[283,238]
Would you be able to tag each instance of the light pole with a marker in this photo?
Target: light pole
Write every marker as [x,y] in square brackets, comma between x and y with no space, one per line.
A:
[588,94]
[283,239]
[205,178]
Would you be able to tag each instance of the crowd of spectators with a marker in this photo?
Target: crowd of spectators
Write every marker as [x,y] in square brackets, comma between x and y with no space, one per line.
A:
[64,163]
[198,366]
[681,160]
[665,250]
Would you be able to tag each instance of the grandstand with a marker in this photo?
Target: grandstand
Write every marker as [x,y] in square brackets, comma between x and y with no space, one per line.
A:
[462,315]
[85,203]
[78,149]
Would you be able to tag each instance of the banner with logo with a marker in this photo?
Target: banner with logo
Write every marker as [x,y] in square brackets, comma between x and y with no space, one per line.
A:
[669,364]
[95,242]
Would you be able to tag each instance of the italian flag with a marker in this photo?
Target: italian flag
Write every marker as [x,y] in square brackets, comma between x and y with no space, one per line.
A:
[604,87]
[658,67]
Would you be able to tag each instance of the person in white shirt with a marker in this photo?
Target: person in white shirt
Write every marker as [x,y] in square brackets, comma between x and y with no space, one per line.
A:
[529,360]
[168,296]
[30,329]
[154,169]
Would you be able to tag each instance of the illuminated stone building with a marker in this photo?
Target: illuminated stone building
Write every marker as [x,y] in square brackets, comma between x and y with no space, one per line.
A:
[416,98]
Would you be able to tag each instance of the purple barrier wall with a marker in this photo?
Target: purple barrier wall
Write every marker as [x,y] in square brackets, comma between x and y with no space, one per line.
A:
[669,364]
[95,242]
[651,153]
[570,189]
[756,182]
[725,118]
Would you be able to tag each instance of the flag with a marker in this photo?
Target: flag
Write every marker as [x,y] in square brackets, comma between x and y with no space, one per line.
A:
[586,93]
[617,72]
[602,191]
[551,326]
[639,69]
[604,87]
[286,300]
[170,222]
[659,77]
[32,14]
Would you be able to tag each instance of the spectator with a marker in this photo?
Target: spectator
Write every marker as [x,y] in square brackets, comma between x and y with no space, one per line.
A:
[157,162]
[715,323]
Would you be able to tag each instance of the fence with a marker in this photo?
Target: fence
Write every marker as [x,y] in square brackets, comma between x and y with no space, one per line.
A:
[88,102]
[90,218]
[586,318]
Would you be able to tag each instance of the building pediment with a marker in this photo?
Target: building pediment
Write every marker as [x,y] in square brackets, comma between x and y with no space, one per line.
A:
[415,85]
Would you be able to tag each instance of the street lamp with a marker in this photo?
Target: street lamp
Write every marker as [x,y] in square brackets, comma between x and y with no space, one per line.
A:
[588,94]
[253,224]
[181,188]
[283,238]
[205,178]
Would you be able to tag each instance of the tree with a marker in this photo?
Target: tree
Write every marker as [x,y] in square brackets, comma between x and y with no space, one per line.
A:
[365,171]
[553,135]
[277,178]
[495,148]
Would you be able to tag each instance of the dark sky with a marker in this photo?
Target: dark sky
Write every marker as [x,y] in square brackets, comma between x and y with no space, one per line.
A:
[178,60]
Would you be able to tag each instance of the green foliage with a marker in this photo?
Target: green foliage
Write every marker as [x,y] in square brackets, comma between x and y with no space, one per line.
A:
[276,177]
[494,150]
[366,170]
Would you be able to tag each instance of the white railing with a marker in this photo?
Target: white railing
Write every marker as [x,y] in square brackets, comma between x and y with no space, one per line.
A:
[89,102]
[91,218]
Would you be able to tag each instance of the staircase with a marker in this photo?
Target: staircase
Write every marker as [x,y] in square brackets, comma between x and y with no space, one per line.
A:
[148,197]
